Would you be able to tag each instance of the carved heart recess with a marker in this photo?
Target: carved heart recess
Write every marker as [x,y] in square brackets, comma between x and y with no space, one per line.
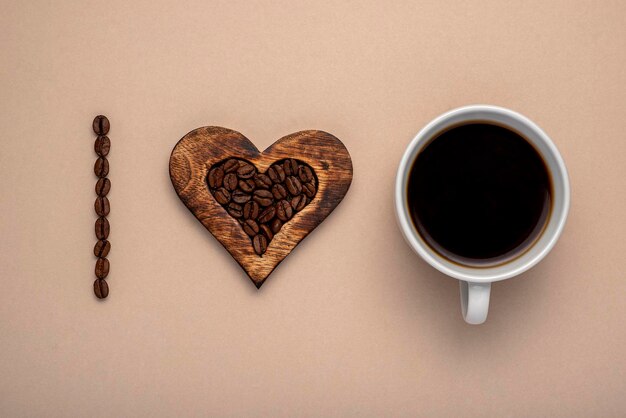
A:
[260,205]
[262,202]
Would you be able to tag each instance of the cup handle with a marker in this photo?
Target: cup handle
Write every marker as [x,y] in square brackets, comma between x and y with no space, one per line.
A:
[475,301]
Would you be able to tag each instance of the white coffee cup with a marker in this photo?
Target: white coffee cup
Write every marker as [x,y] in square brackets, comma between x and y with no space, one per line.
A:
[475,282]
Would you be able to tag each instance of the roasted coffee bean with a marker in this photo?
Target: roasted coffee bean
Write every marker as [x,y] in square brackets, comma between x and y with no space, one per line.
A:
[102,228]
[276,173]
[259,243]
[267,231]
[102,206]
[251,210]
[250,227]
[231,165]
[240,197]
[299,202]
[101,288]
[222,196]
[102,146]
[235,210]
[305,174]
[276,225]
[103,186]
[230,181]
[101,167]
[246,171]
[279,191]
[102,248]
[216,177]
[101,125]
[263,197]
[102,268]
[309,189]
[291,167]
[267,215]
[247,185]
[263,181]
[284,210]
[287,167]
[293,185]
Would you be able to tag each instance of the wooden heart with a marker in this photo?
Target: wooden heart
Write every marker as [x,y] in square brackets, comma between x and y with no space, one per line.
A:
[204,157]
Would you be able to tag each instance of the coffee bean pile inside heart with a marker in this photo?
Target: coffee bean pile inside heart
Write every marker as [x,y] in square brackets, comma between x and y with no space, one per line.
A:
[262,202]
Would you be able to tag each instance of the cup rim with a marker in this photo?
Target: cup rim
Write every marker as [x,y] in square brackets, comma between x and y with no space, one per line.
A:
[412,236]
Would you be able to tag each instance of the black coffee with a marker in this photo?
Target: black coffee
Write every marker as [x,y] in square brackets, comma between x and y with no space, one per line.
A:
[479,194]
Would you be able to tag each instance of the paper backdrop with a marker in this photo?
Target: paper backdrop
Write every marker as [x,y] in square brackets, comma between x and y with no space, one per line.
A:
[352,323]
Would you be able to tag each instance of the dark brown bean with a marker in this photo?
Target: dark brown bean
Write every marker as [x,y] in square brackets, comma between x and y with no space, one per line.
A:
[102,248]
[293,185]
[246,171]
[103,186]
[309,189]
[305,174]
[235,210]
[102,228]
[284,210]
[276,225]
[267,231]
[259,243]
[102,206]
[247,185]
[101,125]
[267,215]
[240,197]
[276,173]
[231,165]
[222,196]
[250,227]
[102,146]
[299,202]
[230,181]
[263,197]
[251,210]
[216,177]
[291,167]
[101,167]
[102,268]
[287,167]
[101,288]
[263,181]
[279,191]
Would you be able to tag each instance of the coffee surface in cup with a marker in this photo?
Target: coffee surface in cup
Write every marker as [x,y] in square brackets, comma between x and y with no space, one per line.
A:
[479,194]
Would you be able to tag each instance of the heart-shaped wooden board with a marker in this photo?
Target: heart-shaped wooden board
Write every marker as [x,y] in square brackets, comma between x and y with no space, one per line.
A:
[200,160]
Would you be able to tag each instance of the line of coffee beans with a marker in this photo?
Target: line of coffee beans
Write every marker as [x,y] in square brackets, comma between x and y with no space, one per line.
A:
[102,146]
[262,202]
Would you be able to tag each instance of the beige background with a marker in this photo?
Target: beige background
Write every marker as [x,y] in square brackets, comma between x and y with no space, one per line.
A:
[352,323]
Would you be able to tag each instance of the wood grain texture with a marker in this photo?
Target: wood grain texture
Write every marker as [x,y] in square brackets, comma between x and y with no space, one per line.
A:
[197,151]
